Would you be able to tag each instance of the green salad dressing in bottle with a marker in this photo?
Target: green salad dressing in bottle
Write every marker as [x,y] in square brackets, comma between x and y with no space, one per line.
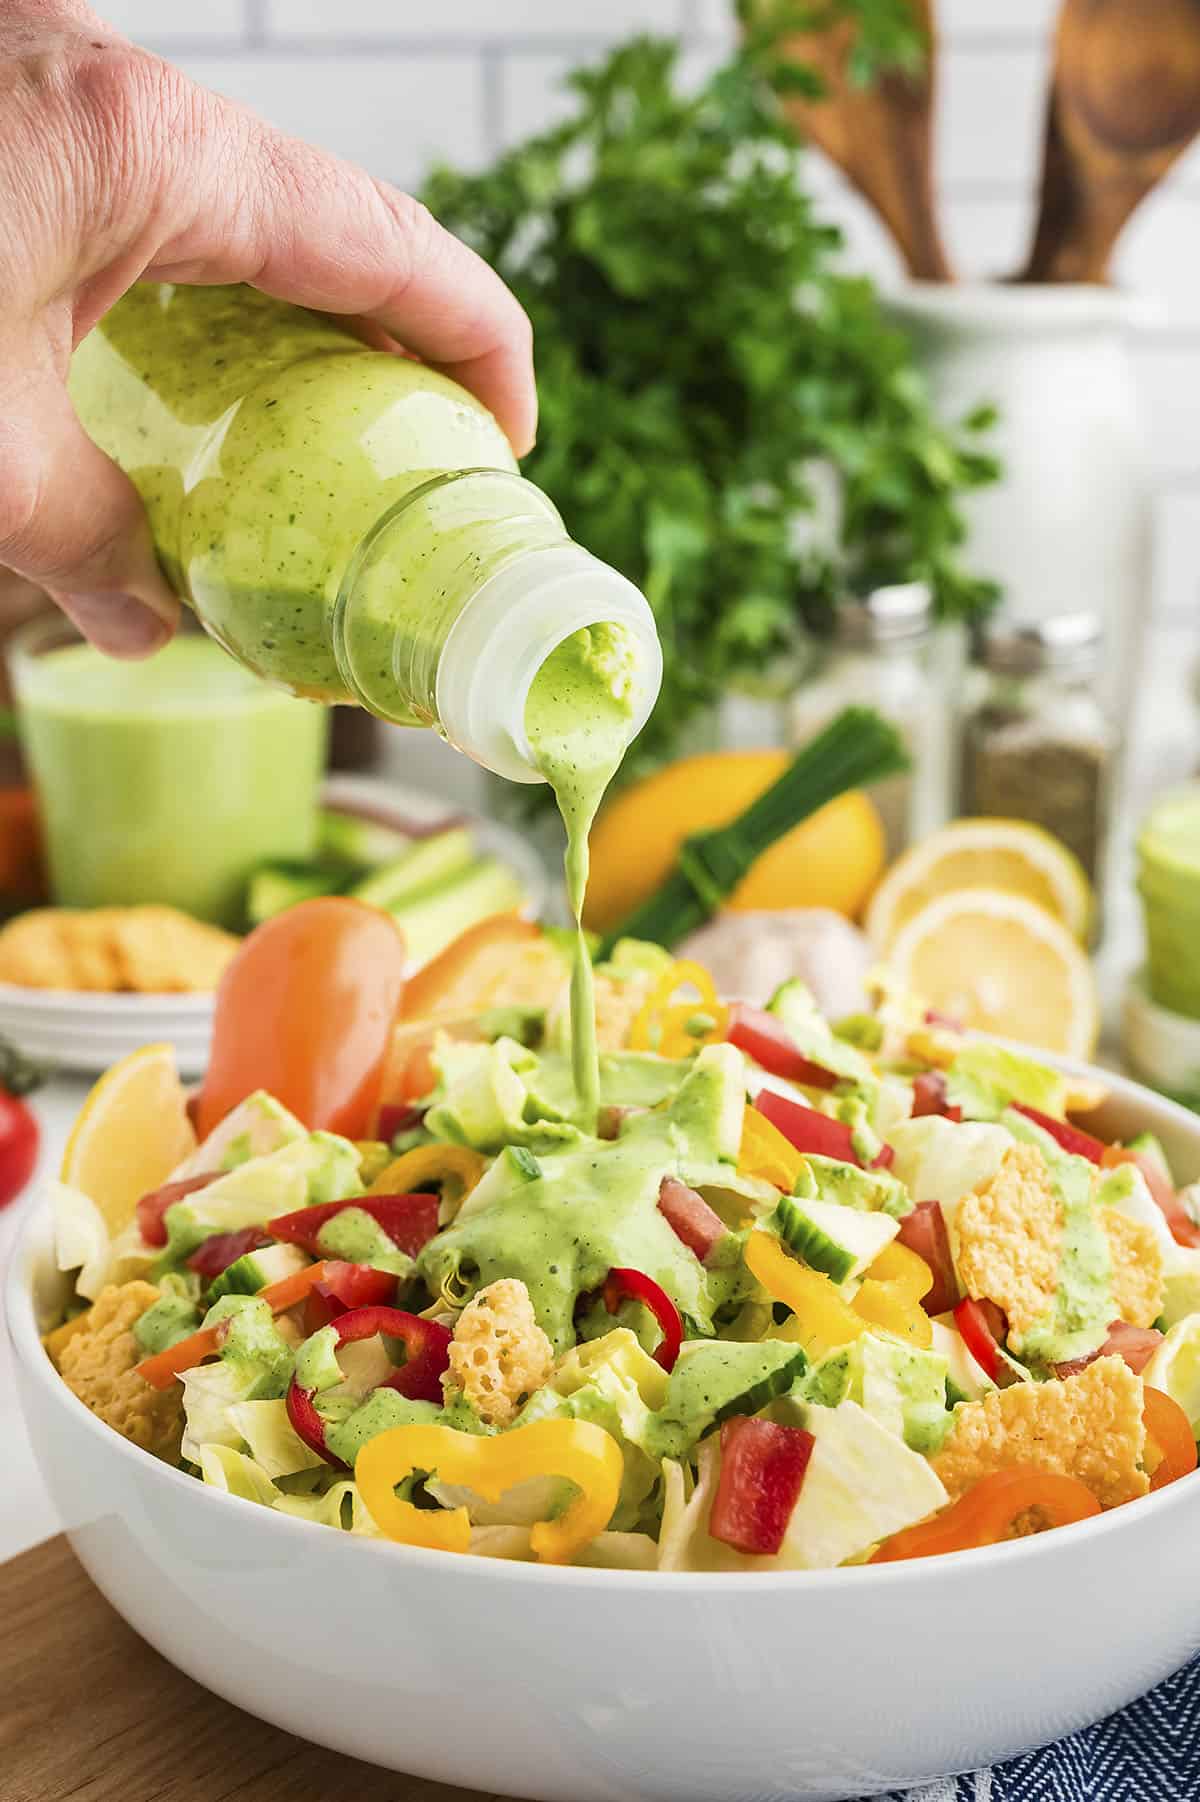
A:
[352,526]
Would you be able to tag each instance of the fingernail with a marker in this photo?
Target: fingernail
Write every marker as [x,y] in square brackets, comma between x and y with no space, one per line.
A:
[118,623]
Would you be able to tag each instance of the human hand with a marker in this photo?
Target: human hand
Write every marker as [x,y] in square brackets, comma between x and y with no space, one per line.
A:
[114,166]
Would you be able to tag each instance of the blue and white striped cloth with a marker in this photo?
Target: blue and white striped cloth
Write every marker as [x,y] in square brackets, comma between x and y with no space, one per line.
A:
[1150,1752]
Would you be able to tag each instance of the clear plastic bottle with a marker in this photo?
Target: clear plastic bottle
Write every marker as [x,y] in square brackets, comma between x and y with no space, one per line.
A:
[348,523]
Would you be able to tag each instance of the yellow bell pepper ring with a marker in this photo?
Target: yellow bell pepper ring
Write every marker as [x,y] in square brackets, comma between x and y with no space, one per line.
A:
[668,1026]
[764,1152]
[431,1164]
[888,1297]
[575,1449]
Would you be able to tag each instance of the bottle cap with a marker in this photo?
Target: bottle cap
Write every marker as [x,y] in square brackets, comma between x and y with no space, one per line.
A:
[507,630]
[1067,644]
[887,616]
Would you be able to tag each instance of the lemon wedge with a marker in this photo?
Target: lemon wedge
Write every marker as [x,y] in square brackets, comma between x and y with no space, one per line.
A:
[1012,855]
[999,962]
[131,1133]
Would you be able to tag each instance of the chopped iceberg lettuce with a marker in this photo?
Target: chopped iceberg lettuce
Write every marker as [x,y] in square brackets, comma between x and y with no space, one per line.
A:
[984,1079]
[273,1442]
[81,1239]
[226,1468]
[253,1129]
[318,1167]
[900,1386]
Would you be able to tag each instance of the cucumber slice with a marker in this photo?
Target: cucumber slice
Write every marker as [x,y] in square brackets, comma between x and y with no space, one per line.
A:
[840,1241]
[252,1272]
[714,1380]
[430,860]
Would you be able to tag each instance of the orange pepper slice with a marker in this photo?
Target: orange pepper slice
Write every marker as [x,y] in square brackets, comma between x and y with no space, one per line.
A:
[989,1509]
[661,1023]
[164,1367]
[575,1449]
[1170,1430]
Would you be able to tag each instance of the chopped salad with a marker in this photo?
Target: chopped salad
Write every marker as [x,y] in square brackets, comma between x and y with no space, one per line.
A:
[810,1294]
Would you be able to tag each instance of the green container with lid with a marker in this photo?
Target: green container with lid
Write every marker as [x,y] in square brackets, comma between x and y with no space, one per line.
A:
[1168,881]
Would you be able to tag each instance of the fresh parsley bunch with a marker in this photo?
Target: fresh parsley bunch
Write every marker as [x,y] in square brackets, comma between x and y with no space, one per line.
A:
[726,417]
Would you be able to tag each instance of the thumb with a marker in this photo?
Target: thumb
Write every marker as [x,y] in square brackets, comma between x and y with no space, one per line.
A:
[73,523]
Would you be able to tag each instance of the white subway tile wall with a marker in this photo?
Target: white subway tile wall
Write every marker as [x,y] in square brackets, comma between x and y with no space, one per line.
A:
[395,84]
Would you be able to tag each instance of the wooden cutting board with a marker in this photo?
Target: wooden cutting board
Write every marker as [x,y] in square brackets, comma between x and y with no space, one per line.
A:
[89,1713]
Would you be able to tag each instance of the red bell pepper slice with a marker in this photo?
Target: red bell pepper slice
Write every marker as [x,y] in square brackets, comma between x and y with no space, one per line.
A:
[151,1209]
[408,1220]
[621,1284]
[427,1354]
[1136,1344]
[762,1473]
[929,1096]
[983,1329]
[810,1131]
[761,1036]
[343,1288]
[924,1231]
[220,1250]
[1071,1138]
[690,1217]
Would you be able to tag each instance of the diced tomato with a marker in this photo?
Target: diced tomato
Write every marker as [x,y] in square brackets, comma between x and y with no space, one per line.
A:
[884,1158]
[929,1096]
[408,1220]
[1136,1344]
[946,1021]
[924,1231]
[764,1038]
[221,1250]
[343,1288]
[151,1209]
[983,1329]
[1184,1230]
[762,1473]
[398,1117]
[690,1217]
[1071,1138]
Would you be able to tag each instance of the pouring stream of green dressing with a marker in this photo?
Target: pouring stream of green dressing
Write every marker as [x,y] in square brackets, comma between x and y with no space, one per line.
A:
[579,721]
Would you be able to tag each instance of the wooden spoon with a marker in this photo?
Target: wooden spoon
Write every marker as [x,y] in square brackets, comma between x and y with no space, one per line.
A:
[1124,104]
[880,136]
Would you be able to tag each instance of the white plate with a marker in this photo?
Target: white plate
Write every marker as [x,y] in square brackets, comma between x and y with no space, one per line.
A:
[72,1030]
[623,1686]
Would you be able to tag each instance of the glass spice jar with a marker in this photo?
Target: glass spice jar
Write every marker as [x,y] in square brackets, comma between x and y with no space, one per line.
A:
[886,651]
[1037,742]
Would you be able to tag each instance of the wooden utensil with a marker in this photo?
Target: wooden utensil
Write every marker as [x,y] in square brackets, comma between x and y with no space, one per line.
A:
[880,136]
[1124,104]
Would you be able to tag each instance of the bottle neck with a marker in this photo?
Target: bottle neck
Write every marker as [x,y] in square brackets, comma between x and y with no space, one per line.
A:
[454,600]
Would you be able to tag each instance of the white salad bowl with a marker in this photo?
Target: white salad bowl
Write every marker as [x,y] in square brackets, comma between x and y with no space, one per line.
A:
[624,1686]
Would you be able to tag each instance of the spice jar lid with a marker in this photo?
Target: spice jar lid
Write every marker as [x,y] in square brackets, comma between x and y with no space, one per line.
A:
[903,610]
[1066,643]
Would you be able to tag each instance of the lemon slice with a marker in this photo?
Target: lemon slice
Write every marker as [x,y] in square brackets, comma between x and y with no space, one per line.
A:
[132,1132]
[1001,963]
[1011,855]
[1175,1368]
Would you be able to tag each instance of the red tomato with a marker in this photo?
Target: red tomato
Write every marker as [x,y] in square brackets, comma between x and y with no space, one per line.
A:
[306,1011]
[346,1286]
[152,1208]
[924,1231]
[1183,1229]
[408,1220]
[929,1096]
[761,1036]
[810,1131]
[1136,1344]
[18,1146]
[762,1472]
[690,1217]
